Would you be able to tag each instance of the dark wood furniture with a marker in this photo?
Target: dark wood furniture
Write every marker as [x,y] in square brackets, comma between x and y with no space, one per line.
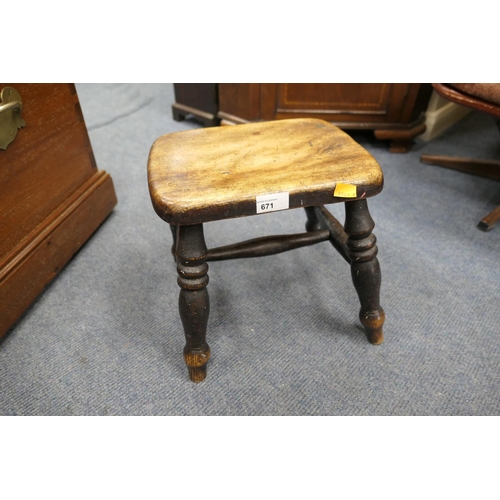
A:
[197,99]
[483,97]
[394,111]
[210,174]
[52,196]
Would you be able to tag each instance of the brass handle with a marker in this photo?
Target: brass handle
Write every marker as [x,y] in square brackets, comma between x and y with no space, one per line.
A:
[11,106]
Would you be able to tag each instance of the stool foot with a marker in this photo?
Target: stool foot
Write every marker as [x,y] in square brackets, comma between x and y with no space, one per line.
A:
[194,305]
[373,322]
[365,268]
[196,362]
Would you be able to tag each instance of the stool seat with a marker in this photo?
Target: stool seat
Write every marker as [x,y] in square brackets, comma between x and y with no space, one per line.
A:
[210,174]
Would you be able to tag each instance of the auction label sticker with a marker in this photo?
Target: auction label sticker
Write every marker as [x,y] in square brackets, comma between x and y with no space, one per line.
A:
[272,202]
[345,190]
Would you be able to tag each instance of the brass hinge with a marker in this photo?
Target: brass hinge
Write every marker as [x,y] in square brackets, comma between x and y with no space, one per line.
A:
[11,106]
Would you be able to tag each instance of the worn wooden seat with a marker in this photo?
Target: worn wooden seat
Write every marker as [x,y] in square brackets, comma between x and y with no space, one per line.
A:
[204,175]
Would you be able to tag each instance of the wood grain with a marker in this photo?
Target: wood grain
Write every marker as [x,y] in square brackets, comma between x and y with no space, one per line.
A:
[209,174]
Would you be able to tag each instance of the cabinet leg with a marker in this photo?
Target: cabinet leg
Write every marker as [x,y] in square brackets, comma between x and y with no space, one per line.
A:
[194,305]
[365,268]
[178,114]
[401,145]
[401,140]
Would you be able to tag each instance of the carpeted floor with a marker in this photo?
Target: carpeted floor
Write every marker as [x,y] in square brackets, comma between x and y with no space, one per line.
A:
[105,337]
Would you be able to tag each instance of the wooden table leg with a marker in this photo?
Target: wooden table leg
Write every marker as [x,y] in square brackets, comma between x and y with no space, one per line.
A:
[365,269]
[194,305]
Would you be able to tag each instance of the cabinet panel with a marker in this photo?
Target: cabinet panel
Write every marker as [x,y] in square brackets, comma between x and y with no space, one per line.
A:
[355,98]
[240,101]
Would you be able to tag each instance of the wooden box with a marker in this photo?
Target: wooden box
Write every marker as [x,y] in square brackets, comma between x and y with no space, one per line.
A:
[52,196]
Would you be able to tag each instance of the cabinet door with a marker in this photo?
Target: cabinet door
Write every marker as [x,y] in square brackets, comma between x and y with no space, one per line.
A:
[361,103]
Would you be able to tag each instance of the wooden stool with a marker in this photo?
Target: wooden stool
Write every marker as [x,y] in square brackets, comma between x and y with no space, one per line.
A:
[211,174]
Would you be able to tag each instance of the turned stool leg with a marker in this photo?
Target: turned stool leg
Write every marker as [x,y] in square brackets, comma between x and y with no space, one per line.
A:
[174,241]
[193,299]
[313,223]
[365,269]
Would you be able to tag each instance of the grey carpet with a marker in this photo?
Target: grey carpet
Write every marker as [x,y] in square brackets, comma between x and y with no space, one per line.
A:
[105,337]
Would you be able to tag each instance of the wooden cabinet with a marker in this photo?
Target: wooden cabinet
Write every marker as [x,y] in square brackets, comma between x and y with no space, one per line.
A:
[394,111]
[52,196]
[197,99]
